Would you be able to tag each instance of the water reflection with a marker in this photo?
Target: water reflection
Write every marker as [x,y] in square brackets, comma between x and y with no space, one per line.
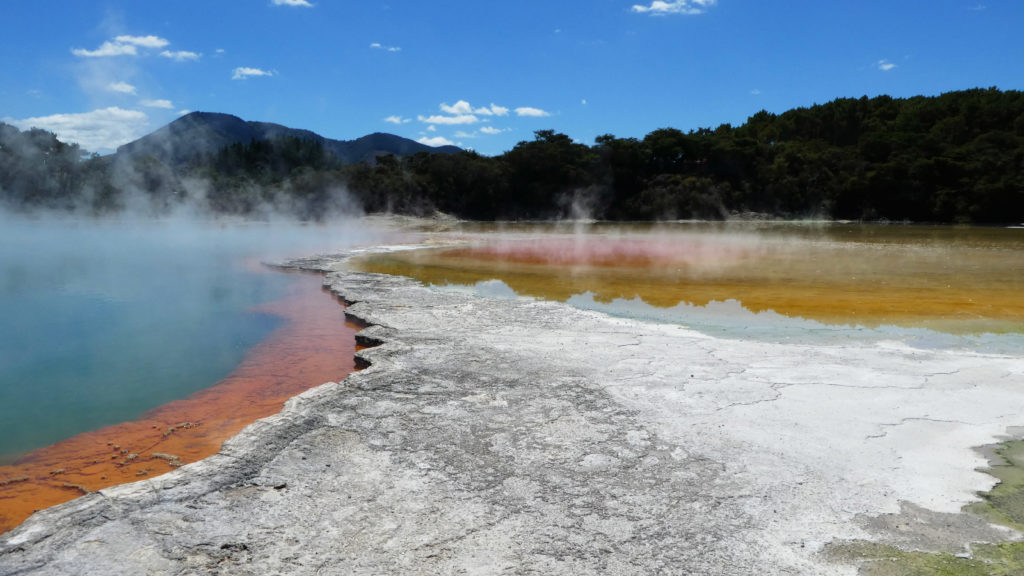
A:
[953,280]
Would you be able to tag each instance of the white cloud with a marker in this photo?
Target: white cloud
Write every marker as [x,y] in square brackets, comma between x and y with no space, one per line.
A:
[122,46]
[584,101]
[431,128]
[689,7]
[184,112]
[449,120]
[436,141]
[143,41]
[463,113]
[292,3]
[379,46]
[493,110]
[397,120]
[464,134]
[122,87]
[101,130]
[755,92]
[532,112]
[885,65]
[462,107]
[243,72]
[106,49]
[180,55]
[166,104]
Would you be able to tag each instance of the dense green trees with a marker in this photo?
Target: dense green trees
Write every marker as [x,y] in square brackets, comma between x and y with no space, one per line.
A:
[37,170]
[958,157]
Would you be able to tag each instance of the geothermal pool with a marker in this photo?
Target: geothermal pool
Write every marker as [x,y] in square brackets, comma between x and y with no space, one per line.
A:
[935,286]
[122,340]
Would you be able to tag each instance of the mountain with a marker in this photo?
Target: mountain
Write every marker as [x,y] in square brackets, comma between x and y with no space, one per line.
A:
[201,133]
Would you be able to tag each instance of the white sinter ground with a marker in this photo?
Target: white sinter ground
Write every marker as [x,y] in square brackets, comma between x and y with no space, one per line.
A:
[819,433]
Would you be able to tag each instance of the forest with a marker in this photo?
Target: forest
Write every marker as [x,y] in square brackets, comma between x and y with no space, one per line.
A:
[953,158]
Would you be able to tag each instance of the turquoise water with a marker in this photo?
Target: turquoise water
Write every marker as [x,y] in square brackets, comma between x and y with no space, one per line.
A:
[102,321]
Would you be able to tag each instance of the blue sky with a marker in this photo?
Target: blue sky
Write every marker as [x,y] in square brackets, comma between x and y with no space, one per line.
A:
[483,75]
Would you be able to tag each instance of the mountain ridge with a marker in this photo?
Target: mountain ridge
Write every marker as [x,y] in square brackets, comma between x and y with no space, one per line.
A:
[202,133]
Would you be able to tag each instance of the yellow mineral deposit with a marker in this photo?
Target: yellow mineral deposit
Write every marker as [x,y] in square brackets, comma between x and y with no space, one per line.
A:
[903,276]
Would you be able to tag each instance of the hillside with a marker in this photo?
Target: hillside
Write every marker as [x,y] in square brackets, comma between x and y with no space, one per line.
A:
[204,133]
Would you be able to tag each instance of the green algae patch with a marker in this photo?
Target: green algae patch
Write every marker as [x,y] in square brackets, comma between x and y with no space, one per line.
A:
[1004,504]
[1005,559]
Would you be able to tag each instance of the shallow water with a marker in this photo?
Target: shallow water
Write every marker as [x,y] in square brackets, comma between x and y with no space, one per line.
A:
[937,286]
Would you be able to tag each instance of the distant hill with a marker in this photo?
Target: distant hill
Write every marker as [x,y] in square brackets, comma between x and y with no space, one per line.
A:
[203,133]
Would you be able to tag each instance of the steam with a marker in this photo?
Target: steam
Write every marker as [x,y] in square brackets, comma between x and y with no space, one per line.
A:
[161,193]
[124,283]
[581,205]
[39,173]
[130,245]
[107,317]
[582,245]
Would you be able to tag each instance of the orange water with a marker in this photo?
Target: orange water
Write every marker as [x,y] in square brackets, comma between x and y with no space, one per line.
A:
[958,280]
[315,345]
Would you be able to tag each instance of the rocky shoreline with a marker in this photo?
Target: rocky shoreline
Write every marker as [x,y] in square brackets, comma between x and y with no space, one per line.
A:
[519,436]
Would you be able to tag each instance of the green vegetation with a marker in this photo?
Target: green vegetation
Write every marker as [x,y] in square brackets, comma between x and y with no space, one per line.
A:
[1006,559]
[1004,504]
[958,157]
[37,169]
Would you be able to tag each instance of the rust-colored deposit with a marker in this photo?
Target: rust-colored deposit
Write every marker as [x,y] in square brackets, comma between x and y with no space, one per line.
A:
[316,344]
[946,284]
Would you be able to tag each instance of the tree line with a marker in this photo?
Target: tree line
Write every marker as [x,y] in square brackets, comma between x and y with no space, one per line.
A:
[957,157]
